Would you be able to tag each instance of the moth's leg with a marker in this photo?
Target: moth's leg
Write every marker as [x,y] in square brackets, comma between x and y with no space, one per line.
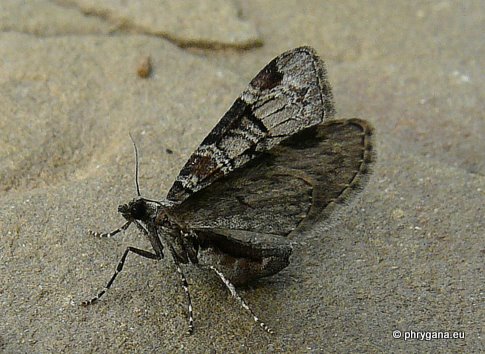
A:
[234,293]
[185,285]
[141,228]
[119,268]
[112,233]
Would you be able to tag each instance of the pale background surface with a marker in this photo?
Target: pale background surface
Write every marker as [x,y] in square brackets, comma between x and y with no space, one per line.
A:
[407,255]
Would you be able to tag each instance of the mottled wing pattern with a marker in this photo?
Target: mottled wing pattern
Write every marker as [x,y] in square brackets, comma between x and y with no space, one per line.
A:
[302,178]
[290,94]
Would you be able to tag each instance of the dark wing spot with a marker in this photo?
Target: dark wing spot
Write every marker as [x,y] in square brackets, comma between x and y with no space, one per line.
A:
[268,78]
[202,165]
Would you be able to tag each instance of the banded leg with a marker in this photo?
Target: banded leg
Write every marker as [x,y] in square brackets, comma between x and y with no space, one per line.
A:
[185,285]
[119,268]
[112,233]
[234,293]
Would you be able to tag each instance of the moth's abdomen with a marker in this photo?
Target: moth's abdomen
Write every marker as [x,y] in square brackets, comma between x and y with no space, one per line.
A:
[243,256]
[242,270]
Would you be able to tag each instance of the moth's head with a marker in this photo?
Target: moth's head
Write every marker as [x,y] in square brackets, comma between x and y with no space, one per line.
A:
[138,209]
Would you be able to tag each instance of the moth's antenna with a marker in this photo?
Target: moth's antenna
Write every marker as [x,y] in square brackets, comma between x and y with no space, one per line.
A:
[136,167]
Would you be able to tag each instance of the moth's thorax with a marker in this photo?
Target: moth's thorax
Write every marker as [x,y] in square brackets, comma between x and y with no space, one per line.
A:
[164,220]
[183,244]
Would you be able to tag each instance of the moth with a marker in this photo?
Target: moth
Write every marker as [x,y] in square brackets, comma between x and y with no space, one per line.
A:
[275,164]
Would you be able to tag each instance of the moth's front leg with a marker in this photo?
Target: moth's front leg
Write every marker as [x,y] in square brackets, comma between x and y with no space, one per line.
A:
[112,233]
[119,268]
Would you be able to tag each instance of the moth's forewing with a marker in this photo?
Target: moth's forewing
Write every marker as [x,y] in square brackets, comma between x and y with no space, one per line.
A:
[290,94]
[296,182]
[243,255]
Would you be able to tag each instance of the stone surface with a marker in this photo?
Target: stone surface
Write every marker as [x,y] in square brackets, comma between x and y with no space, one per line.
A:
[211,23]
[406,255]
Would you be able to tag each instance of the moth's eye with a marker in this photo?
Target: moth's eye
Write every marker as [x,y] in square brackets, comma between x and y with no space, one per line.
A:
[138,210]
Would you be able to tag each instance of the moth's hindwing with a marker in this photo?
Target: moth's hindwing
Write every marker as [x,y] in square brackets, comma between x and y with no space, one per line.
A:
[290,94]
[295,182]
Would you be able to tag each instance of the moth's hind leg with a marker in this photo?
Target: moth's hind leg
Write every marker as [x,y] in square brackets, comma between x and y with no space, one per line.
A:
[112,233]
[234,293]
[119,268]
[185,285]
